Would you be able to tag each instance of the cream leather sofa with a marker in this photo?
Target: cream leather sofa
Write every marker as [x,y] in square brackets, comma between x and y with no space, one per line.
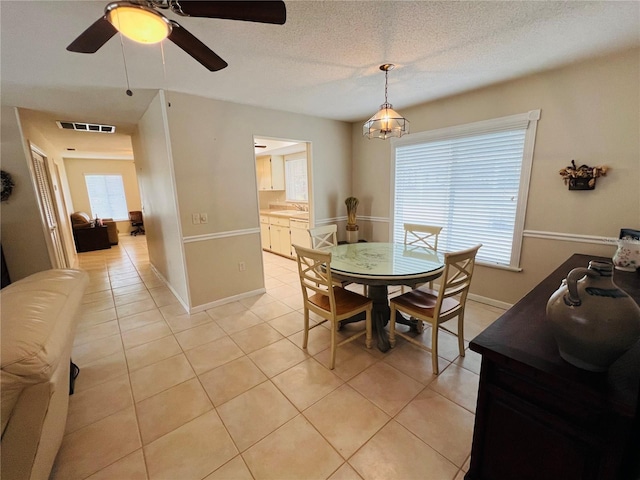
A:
[38,322]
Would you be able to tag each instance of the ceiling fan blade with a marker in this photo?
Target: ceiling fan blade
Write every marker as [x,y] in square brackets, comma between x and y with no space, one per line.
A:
[249,11]
[196,48]
[93,37]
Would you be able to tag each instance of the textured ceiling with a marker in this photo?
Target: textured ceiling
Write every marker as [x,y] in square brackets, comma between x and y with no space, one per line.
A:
[322,62]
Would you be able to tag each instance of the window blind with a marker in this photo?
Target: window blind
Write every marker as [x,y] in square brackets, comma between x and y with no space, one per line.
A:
[470,182]
[296,178]
[106,196]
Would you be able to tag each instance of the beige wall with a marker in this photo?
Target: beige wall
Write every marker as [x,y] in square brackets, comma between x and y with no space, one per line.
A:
[590,112]
[22,234]
[33,136]
[33,133]
[215,173]
[77,168]
[157,184]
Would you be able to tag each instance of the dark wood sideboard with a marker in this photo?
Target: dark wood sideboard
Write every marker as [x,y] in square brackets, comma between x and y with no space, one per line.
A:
[538,417]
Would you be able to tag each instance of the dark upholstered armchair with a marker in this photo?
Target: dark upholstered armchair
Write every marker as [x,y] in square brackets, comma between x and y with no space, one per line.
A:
[88,238]
[81,220]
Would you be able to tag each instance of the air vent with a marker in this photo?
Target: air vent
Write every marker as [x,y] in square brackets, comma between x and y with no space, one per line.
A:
[86,127]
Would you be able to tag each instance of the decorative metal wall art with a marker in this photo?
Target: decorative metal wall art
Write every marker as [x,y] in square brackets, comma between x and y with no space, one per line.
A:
[582,177]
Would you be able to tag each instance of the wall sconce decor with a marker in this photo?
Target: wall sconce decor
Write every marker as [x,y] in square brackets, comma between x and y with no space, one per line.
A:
[582,177]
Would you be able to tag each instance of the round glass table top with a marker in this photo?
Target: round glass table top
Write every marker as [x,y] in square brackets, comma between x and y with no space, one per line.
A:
[392,261]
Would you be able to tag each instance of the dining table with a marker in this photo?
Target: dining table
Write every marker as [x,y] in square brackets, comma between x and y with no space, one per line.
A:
[379,265]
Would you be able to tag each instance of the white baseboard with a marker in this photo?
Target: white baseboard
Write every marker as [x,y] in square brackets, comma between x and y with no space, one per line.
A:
[223,301]
[489,301]
[175,294]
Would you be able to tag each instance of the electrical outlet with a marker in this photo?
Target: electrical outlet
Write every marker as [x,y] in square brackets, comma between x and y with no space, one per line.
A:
[195,218]
[242,266]
[204,218]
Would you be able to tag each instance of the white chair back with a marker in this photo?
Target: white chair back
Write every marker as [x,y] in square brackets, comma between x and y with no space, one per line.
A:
[323,237]
[421,235]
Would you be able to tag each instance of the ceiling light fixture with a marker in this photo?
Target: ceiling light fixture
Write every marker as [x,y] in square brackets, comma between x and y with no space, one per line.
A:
[387,122]
[137,22]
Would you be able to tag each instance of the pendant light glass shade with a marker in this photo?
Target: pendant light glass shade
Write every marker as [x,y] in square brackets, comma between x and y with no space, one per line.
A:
[139,23]
[386,122]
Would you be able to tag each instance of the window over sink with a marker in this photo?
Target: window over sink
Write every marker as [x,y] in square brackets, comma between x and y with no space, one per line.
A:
[296,177]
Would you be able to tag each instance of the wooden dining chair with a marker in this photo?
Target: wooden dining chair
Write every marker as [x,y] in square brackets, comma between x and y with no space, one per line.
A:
[419,235]
[331,302]
[436,308]
[323,237]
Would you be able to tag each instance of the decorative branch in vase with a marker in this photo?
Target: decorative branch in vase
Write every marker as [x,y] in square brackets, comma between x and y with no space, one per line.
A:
[352,228]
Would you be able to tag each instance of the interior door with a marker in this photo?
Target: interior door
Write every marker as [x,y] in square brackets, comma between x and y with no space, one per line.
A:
[47,208]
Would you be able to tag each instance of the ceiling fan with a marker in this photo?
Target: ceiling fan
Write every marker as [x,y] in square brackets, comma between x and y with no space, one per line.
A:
[141,21]
[255,145]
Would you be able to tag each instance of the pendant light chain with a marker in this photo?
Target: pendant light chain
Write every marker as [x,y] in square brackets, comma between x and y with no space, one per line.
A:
[386,79]
[124,60]
[164,72]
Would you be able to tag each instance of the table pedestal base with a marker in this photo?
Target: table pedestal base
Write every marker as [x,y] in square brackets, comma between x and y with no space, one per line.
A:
[380,316]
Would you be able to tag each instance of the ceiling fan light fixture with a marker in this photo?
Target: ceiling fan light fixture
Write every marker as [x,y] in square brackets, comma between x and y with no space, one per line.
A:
[386,122]
[137,22]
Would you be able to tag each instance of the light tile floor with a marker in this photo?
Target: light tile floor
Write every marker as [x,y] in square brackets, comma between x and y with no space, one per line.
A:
[229,394]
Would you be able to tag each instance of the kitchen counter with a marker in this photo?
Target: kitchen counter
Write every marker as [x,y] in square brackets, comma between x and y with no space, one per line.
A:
[280,229]
[299,214]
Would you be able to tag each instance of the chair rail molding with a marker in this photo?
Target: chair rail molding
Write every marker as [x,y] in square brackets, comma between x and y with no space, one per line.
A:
[328,221]
[343,218]
[214,236]
[375,219]
[570,237]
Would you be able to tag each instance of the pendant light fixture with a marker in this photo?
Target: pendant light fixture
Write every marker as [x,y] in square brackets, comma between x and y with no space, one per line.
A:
[387,122]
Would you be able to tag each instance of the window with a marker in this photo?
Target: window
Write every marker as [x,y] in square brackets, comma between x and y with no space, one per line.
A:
[296,178]
[472,180]
[106,195]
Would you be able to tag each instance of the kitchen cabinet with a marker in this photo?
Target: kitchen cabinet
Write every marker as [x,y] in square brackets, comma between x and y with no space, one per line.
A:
[270,171]
[279,231]
[539,417]
[299,233]
[279,236]
[265,240]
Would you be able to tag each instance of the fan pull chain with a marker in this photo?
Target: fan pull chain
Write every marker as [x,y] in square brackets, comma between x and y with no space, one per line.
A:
[164,73]
[126,72]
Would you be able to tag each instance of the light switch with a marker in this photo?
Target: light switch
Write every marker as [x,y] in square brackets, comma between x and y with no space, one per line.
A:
[204,218]
[195,218]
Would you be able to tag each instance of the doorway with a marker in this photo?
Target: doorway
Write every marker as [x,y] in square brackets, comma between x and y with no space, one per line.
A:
[282,169]
[285,194]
